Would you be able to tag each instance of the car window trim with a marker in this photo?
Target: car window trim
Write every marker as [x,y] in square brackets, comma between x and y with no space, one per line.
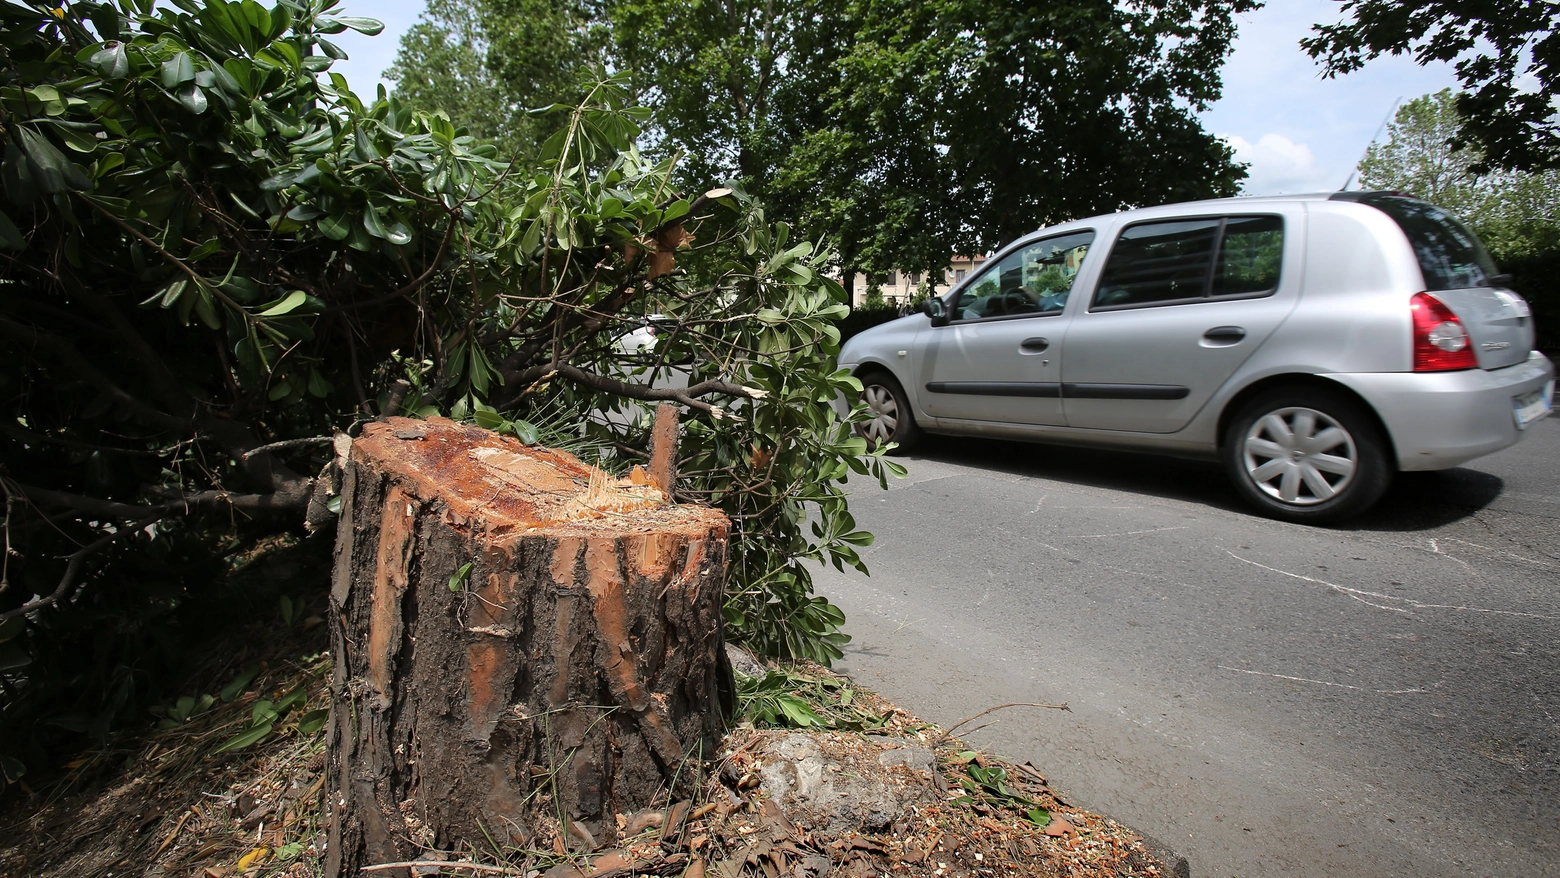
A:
[1213,264]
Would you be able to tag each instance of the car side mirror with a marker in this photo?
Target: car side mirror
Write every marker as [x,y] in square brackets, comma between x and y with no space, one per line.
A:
[935,309]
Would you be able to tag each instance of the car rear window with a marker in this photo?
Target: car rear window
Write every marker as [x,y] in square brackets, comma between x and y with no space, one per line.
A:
[1450,257]
[1189,260]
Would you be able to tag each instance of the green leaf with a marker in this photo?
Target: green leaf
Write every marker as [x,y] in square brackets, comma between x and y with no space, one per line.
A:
[336,227]
[112,61]
[281,20]
[373,224]
[253,735]
[107,163]
[12,769]
[398,234]
[458,579]
[194,99]
[331,50]
[206,311]
[367,26]
[313,721]
[53,172]
[178,70]
[211,246]
[292,699]
[286,305]
[264,711]
[233,689]
[10,236]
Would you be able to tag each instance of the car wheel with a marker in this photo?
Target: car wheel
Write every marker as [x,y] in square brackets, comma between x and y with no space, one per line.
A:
[888,413]
[1307,455]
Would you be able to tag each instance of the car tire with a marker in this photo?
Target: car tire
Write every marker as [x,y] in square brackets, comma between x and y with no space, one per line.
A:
[1307,455]
[888,414]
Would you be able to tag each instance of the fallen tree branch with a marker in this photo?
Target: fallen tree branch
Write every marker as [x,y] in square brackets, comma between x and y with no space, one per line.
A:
[442,864]
[948,732]
[286,444]
[688,396]
[94,506]
[73,567]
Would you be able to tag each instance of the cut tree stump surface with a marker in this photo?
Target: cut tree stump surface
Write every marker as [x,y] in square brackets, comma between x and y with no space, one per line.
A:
[494,485]
[519,637]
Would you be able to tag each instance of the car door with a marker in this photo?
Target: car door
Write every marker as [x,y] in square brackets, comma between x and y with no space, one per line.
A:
[997,358]
[1180,304]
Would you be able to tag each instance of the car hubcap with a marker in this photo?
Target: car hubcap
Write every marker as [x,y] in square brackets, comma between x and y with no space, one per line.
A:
[883,414]
[1299,456]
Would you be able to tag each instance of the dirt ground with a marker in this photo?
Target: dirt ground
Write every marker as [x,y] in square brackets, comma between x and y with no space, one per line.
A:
[229,788]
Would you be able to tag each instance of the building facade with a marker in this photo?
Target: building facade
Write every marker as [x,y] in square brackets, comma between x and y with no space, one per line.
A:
[899,287]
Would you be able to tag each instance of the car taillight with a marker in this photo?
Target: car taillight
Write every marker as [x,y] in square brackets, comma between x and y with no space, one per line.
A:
[1441,344]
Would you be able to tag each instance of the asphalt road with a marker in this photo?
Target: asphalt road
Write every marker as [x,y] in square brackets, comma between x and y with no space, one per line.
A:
[1381,698]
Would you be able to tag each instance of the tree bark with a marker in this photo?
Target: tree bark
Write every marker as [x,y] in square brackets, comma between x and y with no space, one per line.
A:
[524,647]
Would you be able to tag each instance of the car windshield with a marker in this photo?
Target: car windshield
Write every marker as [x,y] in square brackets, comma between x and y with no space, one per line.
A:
[1450,257]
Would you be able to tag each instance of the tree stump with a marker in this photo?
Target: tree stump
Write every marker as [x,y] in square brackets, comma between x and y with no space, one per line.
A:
[518,638]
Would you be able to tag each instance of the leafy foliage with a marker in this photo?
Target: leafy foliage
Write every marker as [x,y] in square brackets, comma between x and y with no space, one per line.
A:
[215,254]
[989,783]
[956,127]
[789,697]
[904,131]
[1498,48]
[485,65]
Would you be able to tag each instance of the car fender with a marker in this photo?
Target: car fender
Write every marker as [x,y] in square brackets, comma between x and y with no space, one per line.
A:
[888,347]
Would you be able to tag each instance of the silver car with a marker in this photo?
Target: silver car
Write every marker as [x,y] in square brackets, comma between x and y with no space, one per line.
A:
[1315,344]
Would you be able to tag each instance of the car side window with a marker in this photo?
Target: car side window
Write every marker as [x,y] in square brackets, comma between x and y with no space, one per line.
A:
[1250,255]
[1190,260]
[1034,280]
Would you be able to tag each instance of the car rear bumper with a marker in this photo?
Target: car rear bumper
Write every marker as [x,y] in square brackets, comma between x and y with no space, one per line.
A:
[1441,419]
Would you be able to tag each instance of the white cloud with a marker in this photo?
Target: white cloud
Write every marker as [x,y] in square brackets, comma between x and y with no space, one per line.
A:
[1278,165]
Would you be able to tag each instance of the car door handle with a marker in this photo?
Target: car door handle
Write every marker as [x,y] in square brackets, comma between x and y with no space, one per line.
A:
[1033,345]
[1224,335]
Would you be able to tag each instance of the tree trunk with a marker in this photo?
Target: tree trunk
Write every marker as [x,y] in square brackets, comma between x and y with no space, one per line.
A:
[523,646]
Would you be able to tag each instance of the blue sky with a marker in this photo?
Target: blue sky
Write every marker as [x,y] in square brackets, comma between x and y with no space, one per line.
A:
[1298,132]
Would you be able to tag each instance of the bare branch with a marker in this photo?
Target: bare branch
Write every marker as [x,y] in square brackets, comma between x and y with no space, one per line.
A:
[444,864]
[96,507]
[286,444]
[948,732]
[416,284]
[73,568]
[688,396]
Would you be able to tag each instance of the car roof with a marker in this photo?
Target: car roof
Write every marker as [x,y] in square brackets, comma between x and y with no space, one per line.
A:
[1240,203]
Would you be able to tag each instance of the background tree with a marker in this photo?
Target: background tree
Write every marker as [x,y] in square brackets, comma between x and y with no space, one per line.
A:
[734,83]
[214,254]
[1515,213]
[909,131]
[1506,54]
[486,63]
[923,130]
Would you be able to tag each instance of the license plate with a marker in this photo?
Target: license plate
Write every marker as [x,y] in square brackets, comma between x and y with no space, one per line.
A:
[1531,406]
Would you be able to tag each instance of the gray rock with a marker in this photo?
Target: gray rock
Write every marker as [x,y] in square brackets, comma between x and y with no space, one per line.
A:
[838,782]
[743,664]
